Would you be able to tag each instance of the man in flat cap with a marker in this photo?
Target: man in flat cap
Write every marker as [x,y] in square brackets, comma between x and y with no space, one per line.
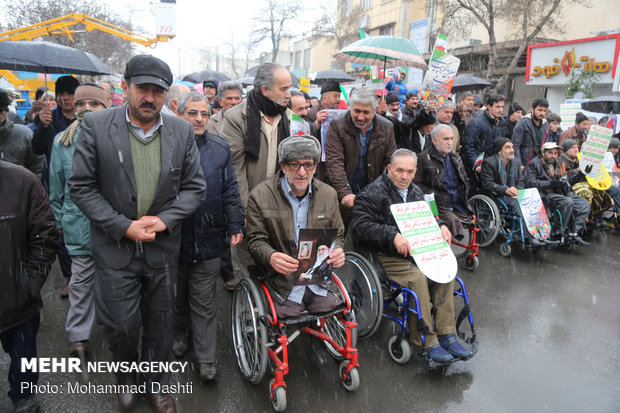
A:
[277,209]
[136,176]
[209,88]
[330,99]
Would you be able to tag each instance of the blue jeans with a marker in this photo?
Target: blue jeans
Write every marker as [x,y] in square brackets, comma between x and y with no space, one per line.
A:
[21,342]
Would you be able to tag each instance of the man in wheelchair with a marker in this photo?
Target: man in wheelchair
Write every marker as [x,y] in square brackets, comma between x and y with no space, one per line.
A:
[441,172]
[277,209]
[502,178]
[375,228]
[547,174]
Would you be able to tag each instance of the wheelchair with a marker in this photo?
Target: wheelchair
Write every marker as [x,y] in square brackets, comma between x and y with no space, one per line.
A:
[259,337]
[467,249]
[500,220]
[373,295]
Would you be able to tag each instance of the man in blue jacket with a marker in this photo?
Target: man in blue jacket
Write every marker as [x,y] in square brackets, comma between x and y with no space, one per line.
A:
[203,241]
[480,138]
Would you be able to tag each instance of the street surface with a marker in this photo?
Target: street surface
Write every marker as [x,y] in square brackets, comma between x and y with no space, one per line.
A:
[548,328]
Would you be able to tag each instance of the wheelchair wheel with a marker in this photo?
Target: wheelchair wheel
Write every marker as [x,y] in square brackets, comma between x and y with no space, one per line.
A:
[487,218]
[505,250]
[361,281]
[249,334]
[352,381]
[399,349]
[471,264]
[334,327]
[278,397]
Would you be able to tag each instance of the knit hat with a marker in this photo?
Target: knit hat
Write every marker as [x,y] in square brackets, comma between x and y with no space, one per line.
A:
[614,143]
[499,144]
[568,143]
[330,86]
[580,118]
[299,147]
[515,107]
[391,98]
[91,92]
[423,118]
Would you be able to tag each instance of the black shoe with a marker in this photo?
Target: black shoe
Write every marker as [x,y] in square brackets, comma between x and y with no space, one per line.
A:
[580,240]
[180,347]
[551,243]
[29,404]
[536,243]
[207,371]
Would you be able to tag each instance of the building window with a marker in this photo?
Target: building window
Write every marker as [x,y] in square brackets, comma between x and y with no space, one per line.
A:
[298,59]
[366,4]
[307,55]
[347,7]
[387,30]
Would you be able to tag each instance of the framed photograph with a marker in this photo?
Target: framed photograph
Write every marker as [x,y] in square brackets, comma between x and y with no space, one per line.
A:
[305,250]
[314,248]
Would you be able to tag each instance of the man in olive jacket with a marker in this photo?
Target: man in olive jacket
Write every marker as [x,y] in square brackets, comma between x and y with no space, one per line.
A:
[277,209]
[28,241]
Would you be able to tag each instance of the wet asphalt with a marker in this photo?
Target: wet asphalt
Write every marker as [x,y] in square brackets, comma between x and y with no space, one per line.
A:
[548,326]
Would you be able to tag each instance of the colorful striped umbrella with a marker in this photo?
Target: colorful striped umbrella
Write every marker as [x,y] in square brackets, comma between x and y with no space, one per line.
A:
[390,51]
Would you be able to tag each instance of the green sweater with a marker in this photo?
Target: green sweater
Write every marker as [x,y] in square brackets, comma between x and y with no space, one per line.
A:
[146,158]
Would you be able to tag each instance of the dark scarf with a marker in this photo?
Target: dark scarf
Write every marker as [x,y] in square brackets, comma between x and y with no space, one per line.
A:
[257,103]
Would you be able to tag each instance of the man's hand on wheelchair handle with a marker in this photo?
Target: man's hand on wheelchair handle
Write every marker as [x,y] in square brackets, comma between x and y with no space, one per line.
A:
[336,258]
[402,245]
[282,263]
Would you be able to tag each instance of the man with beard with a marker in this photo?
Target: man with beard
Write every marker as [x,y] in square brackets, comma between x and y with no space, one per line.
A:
[528,134]
[501,177]
[577,132]
[253,130]
[203,242]
[136,175]
[229,94]
[544,173]
[278,208]
[358,147]
[480,137]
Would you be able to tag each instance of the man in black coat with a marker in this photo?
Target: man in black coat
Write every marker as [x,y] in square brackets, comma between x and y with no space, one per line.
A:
[374,228]
[528,134]
[441,172]
[480,138]
[203,241]
[28,243]
[545,172]
[502,178]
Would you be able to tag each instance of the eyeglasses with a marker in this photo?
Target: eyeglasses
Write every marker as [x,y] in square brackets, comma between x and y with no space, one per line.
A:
[308,166]
[194,113]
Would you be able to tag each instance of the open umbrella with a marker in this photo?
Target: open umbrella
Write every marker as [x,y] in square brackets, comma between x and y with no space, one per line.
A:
[603,104]
[246,81]
[47,57]
[469,82]
[331,74]
[203,75]
[389,51]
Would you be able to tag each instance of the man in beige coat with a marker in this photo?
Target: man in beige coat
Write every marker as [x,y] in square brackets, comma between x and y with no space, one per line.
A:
[253,130]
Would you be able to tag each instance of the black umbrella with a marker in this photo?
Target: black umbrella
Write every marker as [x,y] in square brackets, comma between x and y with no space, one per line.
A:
[325,75]
[246,81]
[46,57]
[603,104]
[201,76]
[469,82]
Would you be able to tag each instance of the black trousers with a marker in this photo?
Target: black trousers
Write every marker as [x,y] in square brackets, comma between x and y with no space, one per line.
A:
[18,342]
[134,299]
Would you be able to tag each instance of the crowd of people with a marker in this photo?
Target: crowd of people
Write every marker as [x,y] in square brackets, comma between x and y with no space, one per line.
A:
[146,204]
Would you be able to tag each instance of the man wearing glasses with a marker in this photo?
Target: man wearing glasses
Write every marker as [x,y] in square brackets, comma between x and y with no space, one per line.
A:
[203,241]
[277,209]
